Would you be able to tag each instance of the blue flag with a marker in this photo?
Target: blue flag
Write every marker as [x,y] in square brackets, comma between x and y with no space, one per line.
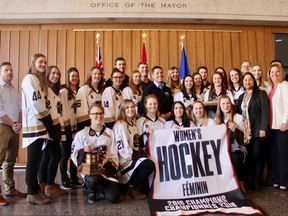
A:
[184,68]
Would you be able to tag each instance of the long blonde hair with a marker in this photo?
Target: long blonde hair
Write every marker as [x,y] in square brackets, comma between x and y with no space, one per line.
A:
[170,82]
[219,119]
[282,74]
[205,116]
[121,115]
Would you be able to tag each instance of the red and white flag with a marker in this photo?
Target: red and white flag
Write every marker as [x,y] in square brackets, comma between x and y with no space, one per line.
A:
[98,60]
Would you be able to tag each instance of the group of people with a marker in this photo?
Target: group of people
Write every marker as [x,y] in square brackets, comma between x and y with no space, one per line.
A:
[113,118]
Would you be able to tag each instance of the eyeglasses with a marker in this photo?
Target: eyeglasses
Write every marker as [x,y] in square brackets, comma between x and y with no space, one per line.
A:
[97,114]
[117,77]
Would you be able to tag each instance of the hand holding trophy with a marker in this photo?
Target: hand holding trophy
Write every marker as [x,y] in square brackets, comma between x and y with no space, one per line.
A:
[93,160]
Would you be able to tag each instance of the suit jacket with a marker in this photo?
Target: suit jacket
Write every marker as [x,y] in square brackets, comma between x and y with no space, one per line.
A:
[259,111]
[164,96]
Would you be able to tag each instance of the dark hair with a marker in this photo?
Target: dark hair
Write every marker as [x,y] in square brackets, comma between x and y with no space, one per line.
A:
[5,63]
[230,83]
[202,67]
[185,119]
[254,79]
[71,94]
[224,76]
[194,94]
[223,90]
[54,86]
[142,63]
[115,70]
[275,61]
[156,67]
[183,89]
[119,59]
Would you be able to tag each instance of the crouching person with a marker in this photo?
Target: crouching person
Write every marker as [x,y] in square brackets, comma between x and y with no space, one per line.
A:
[134,165]
[97,141]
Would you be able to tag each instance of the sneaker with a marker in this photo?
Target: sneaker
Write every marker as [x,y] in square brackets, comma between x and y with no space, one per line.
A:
[66,186]
[3,202]
[92,197]
[75,183]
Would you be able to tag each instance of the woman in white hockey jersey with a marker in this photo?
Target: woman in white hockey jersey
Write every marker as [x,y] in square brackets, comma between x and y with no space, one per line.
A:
[36,121]
[112,98]
[226,115]
[151,120]
[135,166]
[134,90]
[179,118]
[52,151]
[186,94]
[68,98]
[98,139]
[89,94]
[199,116]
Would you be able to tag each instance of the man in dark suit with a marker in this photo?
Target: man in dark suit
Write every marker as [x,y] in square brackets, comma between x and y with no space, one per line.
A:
[158,88]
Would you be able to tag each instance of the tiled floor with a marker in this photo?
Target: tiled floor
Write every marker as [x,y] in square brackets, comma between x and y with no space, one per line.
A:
[273,202]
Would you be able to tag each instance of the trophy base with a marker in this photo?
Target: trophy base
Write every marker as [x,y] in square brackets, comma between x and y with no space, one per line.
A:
[91,169]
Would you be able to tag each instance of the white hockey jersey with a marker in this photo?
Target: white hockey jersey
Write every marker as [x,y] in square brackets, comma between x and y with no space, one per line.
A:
[86,96]
[111,101]
[188,103]
[33,109]
[144,123]
[105,139]
[69,107]
[127,140]
[173,124]
[59,116]
[128,94]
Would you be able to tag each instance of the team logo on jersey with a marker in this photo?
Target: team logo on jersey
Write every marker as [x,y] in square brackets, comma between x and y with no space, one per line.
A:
[136,140]
[91,96]
[146,126]
[92,132]
[167,94]
[59,108]
[184,100]
[116,98]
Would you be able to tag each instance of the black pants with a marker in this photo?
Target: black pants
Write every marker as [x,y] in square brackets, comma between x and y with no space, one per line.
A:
[65,155]
[279,150]
[139,178]
[237,158]
[255,157]
[49,163]
[34,155]
[110,188]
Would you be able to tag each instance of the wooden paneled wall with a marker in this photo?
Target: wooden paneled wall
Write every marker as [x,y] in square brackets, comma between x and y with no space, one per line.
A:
[74,46]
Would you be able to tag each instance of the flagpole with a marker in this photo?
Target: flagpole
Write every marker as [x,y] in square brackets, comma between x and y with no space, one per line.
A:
[184,68]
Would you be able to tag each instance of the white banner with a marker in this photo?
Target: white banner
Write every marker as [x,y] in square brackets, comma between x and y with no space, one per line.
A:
[194,173]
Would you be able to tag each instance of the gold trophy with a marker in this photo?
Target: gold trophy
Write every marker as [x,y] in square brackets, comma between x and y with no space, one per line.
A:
[93,164]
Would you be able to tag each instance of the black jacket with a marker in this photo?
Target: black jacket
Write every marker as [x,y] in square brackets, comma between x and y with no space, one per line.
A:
[165,98]
[259,111]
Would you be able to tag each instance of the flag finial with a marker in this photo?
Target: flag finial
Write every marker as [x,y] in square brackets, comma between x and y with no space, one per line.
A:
[144,35]
[97,38]
[182,37]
